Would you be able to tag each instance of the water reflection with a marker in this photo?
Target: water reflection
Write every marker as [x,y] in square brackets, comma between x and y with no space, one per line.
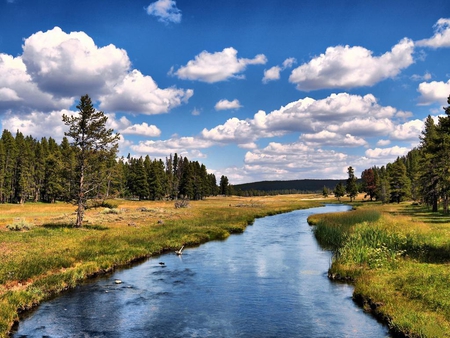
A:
[269,281]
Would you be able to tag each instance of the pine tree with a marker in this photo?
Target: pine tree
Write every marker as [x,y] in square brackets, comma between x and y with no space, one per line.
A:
[351,188]
[339,191]
[428,164]
[399,183]
[94,142]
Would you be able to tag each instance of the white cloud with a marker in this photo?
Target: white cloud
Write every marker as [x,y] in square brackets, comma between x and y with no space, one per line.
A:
[165,10]
[383,143]
[364,126]
[18,91]
[441,37]
[142,129]
[388,154]
[227,105]
[326,137]
[435,91]
[215,67]
[288,63]
[348,116]
[349,67]
[37,124]
[293,161]
[57,67]
[271,74]
[71,64]
[425,77]
[410,130]
[182,145]
[140,94]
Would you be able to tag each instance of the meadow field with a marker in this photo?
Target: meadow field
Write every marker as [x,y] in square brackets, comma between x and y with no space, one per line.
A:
[397,256]
[44,255]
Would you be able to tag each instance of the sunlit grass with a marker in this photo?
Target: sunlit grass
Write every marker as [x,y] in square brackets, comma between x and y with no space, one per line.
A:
[400,264]
[54,256]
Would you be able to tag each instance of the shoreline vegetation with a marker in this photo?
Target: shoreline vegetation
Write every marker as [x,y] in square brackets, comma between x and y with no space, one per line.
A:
[397,256]
[46,255]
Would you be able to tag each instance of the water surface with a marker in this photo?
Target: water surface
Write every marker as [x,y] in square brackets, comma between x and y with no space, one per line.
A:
[270,281]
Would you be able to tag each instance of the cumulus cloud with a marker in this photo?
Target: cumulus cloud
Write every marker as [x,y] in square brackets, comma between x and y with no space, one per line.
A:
[349,67]
[441,37]
[140,94]
[142,129]
[435,91]
[56,68]
[227,105]
[293,161]
[326,137]
[388,154]
[408,131]
[37,124]
[70,64]
[273,73]
[18,92]
[180,145]
[218,66]
[347,117]
[165,10]
[383,143]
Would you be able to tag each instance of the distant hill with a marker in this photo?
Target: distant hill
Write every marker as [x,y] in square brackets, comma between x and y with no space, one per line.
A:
[306,185]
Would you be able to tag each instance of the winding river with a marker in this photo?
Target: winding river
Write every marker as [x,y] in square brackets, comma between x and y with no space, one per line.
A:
[270,281]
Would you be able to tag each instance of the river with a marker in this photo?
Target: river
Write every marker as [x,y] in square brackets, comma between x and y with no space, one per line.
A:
[270,281]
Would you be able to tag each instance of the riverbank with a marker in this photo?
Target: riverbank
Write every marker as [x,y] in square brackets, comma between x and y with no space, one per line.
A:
[49,256]
[397,256]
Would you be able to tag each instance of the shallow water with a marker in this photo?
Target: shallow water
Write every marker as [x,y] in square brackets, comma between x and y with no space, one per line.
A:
[270,281]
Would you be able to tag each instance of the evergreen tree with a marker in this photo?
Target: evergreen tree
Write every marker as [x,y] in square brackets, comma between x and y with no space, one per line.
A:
[351,187]
[94,143]
[399,183]
[224,185]
[325,192]
[428,164]
[339,191]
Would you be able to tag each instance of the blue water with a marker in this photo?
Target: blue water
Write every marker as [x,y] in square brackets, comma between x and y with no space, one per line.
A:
[270,281]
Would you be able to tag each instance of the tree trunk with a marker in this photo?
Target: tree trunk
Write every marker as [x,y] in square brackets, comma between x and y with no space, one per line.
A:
[80,209]
[435,204]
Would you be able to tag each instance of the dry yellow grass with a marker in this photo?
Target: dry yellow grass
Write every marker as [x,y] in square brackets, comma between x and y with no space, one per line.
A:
[52,257]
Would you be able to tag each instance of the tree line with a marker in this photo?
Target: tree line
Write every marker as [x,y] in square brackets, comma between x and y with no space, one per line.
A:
[422,175]
[45,171]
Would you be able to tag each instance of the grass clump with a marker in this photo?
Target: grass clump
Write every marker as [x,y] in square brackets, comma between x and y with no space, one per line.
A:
[398,257]
[19,225]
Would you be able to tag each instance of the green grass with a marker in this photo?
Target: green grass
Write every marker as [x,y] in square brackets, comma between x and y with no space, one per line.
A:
[399,262]
[53,256]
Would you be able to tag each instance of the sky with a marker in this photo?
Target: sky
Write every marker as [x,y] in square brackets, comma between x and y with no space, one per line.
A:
[255,90]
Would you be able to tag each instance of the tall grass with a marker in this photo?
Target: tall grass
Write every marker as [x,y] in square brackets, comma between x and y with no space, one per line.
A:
[399,260]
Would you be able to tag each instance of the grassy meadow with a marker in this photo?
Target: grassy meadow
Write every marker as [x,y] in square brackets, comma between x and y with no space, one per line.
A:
[398,258]
[48,255]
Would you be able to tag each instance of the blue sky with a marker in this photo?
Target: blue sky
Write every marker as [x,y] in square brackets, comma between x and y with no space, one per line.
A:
[255,90]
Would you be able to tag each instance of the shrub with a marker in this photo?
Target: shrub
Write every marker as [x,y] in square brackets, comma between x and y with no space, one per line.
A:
[19,225]
[109,211]
[181,204]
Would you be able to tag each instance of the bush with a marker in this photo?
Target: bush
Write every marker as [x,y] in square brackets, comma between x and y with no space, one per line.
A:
[109,211]
[19,225]
[181,204]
